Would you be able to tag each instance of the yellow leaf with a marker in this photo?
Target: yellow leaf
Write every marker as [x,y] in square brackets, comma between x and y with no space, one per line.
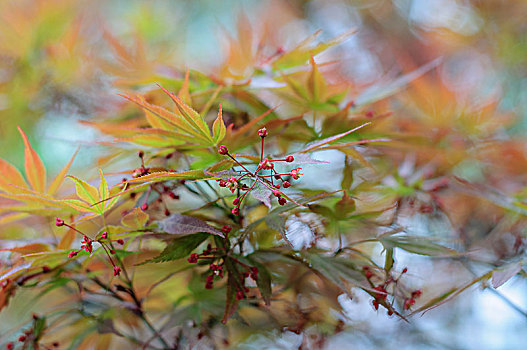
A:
[35,171]
[135,219]
[183,93]
[10,176]
[191,116]
[85,191]
[218,128]
[316,84]
[61,175]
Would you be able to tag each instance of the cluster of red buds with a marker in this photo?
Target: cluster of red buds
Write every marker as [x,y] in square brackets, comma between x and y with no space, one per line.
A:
[258,177]
[29,337]
[216,269]
[381,291]
[87,244]
[211,255]
[161,189]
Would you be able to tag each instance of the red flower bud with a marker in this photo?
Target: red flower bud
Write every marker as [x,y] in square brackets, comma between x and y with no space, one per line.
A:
[262,132]
[167,212]
[173,195]
[277,193]
[282,201]
[226,229]
[416,293]
[120,241]
[277,186]
[112,251]
[104,235]
[59,222]
[116,270]
[144,206]
[236,211]
[289,159]
[10,346]
[408,303]
[235,201]
[141,154]
[72,254]
[193,258]
[222,183]
[223,150]
[286,184]
[22,338]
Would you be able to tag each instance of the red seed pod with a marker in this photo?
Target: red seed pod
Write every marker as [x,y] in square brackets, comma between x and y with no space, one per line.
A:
[59,222]
[286,184]
[112,251]
[223,150]
[282,201]
[236,211]
[235,201]
[289,159]
[120,241]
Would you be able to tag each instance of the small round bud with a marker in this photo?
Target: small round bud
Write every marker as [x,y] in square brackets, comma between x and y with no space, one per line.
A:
[167,212]
[289,159]
[286,184]
[22,338]
[116,270]
[144,206]
[10,346]
[104,235]
[193,258]
[235,201]
[262,132]
[223,150]
[141,154]
[226,229]
[277,193]
[72,254]
[282,201]
[59,222]
[112,251]
[120,241]
[236,211]
[277,186]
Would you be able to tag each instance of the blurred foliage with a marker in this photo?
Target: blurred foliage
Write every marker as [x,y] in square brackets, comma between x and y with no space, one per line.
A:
[404,120]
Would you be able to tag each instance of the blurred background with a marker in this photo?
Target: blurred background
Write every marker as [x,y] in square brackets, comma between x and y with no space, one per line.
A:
[63,62]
